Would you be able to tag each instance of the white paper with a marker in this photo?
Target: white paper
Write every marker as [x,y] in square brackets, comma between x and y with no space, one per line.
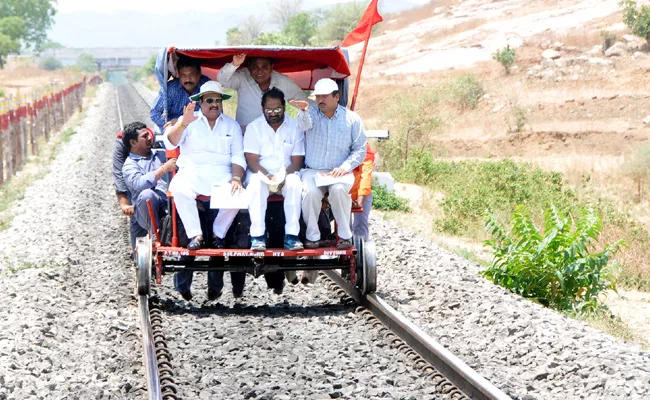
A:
[279,178]
[222,198]
[326,180]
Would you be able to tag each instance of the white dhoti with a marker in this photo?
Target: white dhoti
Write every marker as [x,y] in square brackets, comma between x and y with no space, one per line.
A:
[186,186]
[259,193]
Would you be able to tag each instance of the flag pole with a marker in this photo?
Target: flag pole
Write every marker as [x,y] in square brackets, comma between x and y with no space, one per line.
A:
[363,57]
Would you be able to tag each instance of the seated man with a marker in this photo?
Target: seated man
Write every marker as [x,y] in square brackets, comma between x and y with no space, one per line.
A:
[143,171]
[252,81]
[120,154]
[273,141]
[335,144]
[179,91]
[211,152]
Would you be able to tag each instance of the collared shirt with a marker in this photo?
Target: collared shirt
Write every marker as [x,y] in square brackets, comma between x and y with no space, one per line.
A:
[140,173]
[249,94]
[275,148]
[207,154]
[177,98]
[337,142]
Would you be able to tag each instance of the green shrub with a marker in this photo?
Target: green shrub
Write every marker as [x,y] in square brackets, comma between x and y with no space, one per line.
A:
[520,117]
[637,20]
[558,267]
[50,64]
[2,93]
[637,167]
[505,57]
[382,199]
[464,92]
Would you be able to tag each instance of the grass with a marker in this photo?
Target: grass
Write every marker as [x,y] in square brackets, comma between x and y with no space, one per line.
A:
[16,267]
[464,26]
[603,320]
[411,16]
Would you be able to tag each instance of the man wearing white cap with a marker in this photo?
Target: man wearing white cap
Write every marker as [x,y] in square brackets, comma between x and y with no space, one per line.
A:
[211,152]
[335,144]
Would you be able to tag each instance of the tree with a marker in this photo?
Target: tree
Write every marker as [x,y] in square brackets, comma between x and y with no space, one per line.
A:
[50,63]
[301,27]
[637,20]
[86,62]
[24,23]
[235,37]
[505,57]
[339,21]
[283,10]
[275,39]
[253,26]
[49,45]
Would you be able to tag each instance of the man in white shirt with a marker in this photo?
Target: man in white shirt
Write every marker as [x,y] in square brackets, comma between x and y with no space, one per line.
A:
[272,143]
[251,82]
[211,152]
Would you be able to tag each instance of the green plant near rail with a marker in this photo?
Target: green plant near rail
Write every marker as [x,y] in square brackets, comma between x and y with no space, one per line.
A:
[505,57]
[382,199]
[559,266]
[638,20]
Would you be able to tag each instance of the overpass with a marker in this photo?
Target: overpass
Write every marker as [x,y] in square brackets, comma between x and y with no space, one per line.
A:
[109,58]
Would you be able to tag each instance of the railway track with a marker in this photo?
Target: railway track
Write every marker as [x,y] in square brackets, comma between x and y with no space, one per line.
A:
[450,376]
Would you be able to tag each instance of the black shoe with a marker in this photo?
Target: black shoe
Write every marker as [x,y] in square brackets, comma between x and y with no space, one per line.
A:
[218,243]
[187,295]
[213,294]
[196,243]
[310,244]
[238,293]
[295,281]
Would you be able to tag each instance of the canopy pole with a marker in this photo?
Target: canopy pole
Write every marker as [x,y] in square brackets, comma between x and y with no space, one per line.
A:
[358,78]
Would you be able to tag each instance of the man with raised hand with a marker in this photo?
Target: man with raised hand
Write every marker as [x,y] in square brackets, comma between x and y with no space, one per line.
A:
[252,82]
[335,144]
[211,152]
[179,91]
[143,171]
[272,143]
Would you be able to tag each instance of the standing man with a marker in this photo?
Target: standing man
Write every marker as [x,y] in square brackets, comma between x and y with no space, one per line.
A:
[179,91]
[335,144]
[211,152]
[143,171]
[273,142]
[253,81]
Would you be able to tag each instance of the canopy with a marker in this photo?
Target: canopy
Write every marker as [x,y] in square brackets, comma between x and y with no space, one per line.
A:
[305,65]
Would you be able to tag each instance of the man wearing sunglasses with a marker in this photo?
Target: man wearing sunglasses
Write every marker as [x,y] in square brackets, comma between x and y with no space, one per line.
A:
[252,82]
[211,152]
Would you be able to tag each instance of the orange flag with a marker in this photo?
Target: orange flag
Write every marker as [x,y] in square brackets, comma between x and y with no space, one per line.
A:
[362,31]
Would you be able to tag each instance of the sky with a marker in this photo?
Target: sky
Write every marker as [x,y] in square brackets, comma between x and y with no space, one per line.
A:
[160,23]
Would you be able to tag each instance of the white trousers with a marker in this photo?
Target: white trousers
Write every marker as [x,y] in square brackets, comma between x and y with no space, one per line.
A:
[259,193]
[339,199]
[185,199]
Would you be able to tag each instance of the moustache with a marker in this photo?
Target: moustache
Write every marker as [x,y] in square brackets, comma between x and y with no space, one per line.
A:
[188,83]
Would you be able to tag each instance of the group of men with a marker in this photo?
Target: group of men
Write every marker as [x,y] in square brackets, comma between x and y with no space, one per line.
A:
[300,159]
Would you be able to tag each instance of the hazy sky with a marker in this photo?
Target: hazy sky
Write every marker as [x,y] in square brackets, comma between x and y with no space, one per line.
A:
[172,6]
[159,23]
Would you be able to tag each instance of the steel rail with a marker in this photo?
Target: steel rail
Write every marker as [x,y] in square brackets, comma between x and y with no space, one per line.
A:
[150,359]
[453,368]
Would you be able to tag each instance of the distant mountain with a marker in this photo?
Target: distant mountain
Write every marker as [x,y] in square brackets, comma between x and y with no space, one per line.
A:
[151,29]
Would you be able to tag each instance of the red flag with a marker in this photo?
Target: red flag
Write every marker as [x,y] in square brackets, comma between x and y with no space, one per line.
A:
[362,31]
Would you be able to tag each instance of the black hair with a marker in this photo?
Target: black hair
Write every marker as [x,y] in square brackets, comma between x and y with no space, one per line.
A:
[250,60]
[187,62]
[131,133]
[334,93]
[273,93]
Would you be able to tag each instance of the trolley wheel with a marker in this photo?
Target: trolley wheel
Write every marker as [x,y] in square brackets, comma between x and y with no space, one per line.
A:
[143,250]
[358,259]
[369,283]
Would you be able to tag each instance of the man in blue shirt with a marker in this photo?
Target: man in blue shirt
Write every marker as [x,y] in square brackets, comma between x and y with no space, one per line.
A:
[179,91]
[335,144]
[143,171]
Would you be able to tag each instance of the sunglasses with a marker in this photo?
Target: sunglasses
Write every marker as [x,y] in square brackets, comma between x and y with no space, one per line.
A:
[213,100]
[269,111]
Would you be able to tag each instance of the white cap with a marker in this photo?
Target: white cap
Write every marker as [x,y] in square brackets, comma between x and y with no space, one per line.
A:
[325,86]
[210,87]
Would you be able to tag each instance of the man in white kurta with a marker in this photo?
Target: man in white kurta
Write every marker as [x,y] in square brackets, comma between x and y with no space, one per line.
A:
[211,152]
[274,143]
[251,82]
